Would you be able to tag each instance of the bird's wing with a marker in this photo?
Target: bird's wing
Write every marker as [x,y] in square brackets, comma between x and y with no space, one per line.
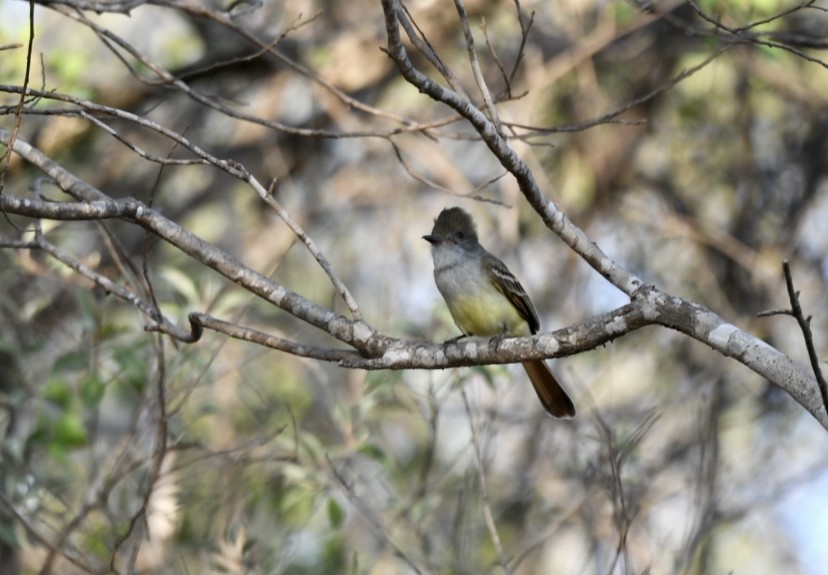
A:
[508,285]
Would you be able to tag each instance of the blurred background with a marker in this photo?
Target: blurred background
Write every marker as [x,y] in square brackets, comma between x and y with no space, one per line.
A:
[679,461]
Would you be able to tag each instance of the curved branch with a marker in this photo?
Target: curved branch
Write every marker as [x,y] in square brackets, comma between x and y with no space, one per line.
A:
[200,321]
[96,205]
[356,333]
[649,305]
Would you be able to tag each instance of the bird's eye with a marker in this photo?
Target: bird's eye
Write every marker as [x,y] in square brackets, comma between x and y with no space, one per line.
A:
[460,235]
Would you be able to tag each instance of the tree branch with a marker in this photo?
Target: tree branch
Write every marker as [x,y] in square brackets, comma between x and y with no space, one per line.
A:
[805,326]
[649,304]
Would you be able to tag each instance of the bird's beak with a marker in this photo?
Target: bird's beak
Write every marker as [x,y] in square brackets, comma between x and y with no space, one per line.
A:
[432,239]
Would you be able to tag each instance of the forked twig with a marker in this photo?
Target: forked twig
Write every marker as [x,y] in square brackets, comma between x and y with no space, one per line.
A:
[805,326]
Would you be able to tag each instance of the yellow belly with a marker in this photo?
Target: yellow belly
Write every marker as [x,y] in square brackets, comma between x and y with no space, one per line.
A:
[487,315]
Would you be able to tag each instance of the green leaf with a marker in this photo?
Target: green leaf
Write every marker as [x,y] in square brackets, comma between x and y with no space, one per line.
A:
[71,361]
[92,391]
[372,451]
[8,536]
[38,437]
[296,505]
[58,391]
[70,431]
[133,368]
[335,513]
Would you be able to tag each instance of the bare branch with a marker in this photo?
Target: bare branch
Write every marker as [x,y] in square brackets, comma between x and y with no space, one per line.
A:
[320,258]
[203,320]
[804,326]
[739,35]
[475,65]
[649,306]
[418,38]
[525,28]
[98,206]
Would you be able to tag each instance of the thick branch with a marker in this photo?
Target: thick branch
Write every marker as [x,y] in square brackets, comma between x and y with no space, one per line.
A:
[707,327]
[649,307]
[655,306]
[98,206]
[355,333]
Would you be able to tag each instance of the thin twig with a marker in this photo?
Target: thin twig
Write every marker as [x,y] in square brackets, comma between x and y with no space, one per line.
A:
[507,90]
[737,35]
[805,326]
[475,65]
[267,196]
[613,115]
[524,36]
[32,531]
[138,524]
[484,490]
[121,292]
[18,113]
[420,41]
[373,520]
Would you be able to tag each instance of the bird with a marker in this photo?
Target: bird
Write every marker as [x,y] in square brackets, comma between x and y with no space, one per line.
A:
[485,299]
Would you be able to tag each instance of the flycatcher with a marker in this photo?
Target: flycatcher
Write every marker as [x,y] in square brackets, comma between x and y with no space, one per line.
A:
[485,299]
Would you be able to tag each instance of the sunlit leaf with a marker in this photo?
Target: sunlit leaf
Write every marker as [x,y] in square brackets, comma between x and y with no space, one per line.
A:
[70,431]
[58,391]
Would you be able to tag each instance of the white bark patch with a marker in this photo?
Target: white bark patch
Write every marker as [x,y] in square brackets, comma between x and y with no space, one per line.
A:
[362,332]
[617,325]
[720,336]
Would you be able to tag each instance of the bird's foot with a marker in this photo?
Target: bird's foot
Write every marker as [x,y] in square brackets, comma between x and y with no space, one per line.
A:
[494,342]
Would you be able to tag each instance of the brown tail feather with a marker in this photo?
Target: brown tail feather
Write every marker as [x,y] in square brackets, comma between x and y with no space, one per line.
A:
[551,393]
